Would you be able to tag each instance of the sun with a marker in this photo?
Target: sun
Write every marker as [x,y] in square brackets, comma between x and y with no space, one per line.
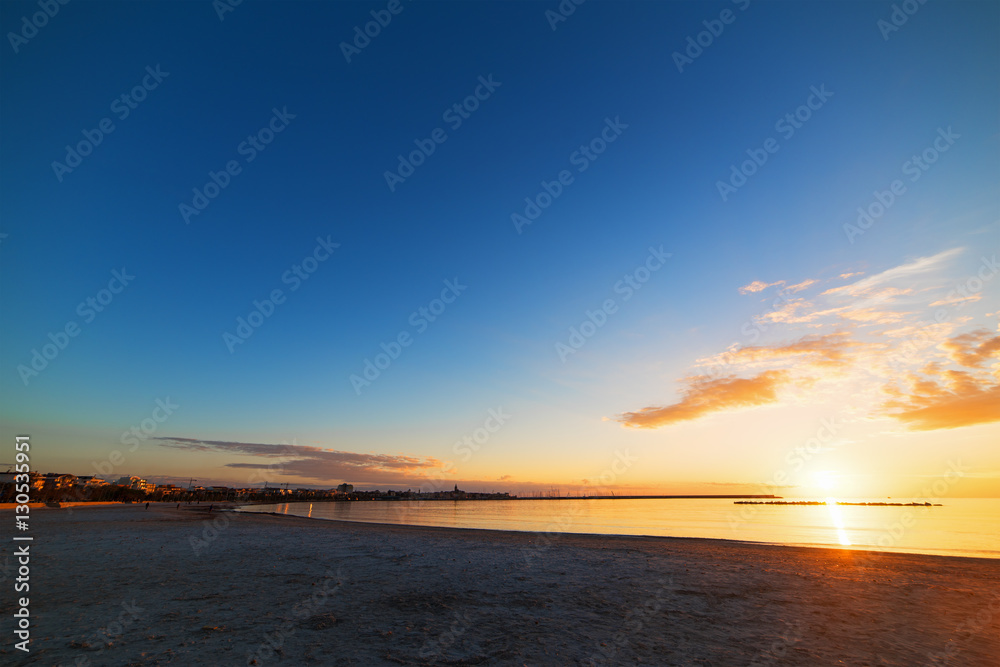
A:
[825,480]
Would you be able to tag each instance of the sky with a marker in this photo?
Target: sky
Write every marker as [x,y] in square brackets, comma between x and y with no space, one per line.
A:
[720,247]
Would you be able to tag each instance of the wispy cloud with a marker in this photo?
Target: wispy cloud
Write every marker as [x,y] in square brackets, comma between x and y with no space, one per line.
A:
[798,287]
[956,299]
[758,286]
[818,350]
[311,462]
[906,272]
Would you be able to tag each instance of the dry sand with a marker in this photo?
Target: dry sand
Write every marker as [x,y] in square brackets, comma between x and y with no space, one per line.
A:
[121,585]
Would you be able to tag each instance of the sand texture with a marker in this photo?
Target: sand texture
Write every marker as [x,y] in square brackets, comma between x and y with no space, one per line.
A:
[121,585]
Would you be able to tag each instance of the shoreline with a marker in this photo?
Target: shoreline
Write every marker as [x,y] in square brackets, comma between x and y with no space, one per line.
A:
[862,549]
[42,506]
[236,508]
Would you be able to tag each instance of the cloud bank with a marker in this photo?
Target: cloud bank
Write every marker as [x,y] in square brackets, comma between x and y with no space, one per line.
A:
[309,462]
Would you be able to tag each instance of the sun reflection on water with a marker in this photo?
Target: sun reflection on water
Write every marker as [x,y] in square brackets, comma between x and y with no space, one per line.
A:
[838,521]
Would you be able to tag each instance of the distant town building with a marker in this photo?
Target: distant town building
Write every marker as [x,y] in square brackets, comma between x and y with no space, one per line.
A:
[89,481]
[53,481]
[136,483]
[345,488]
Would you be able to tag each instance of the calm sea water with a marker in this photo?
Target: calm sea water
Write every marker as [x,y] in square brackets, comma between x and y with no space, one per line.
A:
[960,527]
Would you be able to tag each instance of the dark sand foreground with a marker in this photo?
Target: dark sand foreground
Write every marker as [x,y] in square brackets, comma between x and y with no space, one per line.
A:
[122,585]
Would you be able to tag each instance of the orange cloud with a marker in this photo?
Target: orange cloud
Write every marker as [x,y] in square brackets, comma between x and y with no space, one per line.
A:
[936,407]
[957,299]
[826,350]
[704,396]
[972,349]
[955,398]
[788,312]
[873,315]
[758,286]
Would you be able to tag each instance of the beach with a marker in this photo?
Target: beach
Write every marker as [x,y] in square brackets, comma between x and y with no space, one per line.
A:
[122,585]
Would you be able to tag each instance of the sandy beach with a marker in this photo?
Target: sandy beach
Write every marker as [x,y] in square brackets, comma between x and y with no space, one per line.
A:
[122,585]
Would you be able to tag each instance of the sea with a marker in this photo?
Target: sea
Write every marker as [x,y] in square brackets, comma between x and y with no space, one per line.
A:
[967,527]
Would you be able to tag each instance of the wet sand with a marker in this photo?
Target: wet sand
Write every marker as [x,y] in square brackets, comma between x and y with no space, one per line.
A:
[121,585]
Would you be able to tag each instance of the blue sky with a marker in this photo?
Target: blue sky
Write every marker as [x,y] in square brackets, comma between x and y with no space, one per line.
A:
[323,176]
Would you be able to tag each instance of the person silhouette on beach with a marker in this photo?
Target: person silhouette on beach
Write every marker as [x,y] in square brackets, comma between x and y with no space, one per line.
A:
[147,505]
